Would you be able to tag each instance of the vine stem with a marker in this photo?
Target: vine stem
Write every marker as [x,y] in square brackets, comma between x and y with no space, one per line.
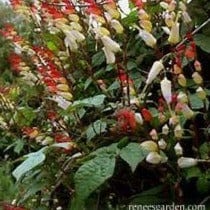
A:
[194,32]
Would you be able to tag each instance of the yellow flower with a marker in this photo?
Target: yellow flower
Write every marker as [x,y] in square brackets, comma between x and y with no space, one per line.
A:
[174,34]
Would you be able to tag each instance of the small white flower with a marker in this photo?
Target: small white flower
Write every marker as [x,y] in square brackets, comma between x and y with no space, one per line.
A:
[138,118]
[110,44]
[178,131]
[185,162]
[110,56]
[165,129]
[182,97]
[201,93]
[178,149]
[162,144]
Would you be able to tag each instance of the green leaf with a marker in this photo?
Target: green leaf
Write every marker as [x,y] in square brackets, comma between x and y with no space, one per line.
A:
[24,116]
[130,19]
[33,160]
[195,101]
[133,154]
[96,128]
[204,150]
[95,101]
[19,144]
[203,184]
[151,196]
[192,172]
[111,151]
[98,59]
[92,174]
[203,42]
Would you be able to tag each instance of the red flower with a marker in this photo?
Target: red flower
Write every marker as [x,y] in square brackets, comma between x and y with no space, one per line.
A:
[146,114]
[138,3]
[124,78]
[126,120]
[60,138]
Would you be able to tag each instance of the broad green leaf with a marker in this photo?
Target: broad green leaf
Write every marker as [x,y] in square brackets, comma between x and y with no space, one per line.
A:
[92,174]
[19,144]
[98,59]
[89,102]
[96,128]
[203,42]
[33,159]
[133,154]
[111,151]
[196,102]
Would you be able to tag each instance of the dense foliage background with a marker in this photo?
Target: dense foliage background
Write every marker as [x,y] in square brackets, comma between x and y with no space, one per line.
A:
[100,109]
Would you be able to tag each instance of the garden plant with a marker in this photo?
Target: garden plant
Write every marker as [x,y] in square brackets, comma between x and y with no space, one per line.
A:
[104,104]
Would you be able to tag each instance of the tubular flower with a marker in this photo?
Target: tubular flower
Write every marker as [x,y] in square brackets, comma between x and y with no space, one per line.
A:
[166,90]
[110,48]
[178,131]
[174,34]
[156,68]
[186,162]
[147,115]
[148,38]
[162,144]
[126,121]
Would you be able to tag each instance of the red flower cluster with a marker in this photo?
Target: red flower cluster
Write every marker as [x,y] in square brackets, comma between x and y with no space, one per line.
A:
[15,61]
[49,71]
[126,121]
[16,3]
[93,8]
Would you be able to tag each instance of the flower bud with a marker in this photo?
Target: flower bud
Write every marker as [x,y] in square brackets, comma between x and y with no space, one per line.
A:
[110,44]
[164,5]
[110,56]
[153,158]
[173,120]
[182,80]
[187,112]
[153,134]
[201,93]
[66,95]
[148,38]
[177,69]
[197,78]
[146,25]
[165,129]
[178,131]
[62,87]
[166,90]
[116,25]
[178,149]
[182,97]
[169,20]
[174,34]
[139,118]
[143,15]
[197,65]
[154,71]
[186,162]
[182,6]
[172,5]
[149,145]
[162,144]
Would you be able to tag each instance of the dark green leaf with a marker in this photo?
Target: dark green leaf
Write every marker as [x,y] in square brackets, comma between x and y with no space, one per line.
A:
[92,174]
[98,59]
[195,102]
[203,42]
[133,154]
